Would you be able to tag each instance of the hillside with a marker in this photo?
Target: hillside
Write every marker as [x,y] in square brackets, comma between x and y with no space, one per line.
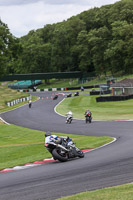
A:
[98,41]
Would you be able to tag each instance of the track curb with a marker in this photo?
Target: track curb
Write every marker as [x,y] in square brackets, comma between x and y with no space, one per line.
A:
[36,163]
[46,161]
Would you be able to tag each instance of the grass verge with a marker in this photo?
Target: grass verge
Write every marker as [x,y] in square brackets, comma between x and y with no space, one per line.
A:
[100,111]
[7,95]
[19,145]
[123,192]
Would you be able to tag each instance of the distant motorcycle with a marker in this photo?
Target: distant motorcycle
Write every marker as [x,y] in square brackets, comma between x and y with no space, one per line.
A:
[63,152]
[55,97]
[76,94]
[69,119]
[69,95]
[88,118]
[30,104]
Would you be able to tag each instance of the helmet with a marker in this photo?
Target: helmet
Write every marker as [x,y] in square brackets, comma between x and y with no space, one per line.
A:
[48,133]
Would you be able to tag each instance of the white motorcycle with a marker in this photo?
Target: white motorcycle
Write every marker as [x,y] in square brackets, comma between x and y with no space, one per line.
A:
[69,119]
[63,152]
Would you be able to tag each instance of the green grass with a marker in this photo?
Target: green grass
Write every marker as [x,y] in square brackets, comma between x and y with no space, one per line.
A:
[21,145]
[100,111]
[123,192]
[65,83]
[7,95]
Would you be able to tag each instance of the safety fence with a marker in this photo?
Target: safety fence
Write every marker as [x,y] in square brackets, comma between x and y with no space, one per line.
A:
[59,89]
[113,98]
[43,90]
[19,100]
[100,92]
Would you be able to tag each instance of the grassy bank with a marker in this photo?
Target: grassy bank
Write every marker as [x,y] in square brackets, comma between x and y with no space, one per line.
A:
[21,145]
[7,95]
[123,192]
[100,111]
[65,83]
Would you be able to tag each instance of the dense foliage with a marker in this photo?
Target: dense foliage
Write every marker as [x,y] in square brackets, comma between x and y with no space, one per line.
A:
[99,40]
[9,49]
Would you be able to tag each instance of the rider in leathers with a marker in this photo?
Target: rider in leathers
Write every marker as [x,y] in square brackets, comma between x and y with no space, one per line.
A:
[87,112]
[69,114]
[57,139]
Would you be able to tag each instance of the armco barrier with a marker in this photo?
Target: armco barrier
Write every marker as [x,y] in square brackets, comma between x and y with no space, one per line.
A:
[113,98]
[100,92]
[16,101]
[59,89]
[95,93]
[42,90]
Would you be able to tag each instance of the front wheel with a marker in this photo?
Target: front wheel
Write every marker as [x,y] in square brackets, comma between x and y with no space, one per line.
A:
[70,120]
[63,157]
[80,154]
[87,119]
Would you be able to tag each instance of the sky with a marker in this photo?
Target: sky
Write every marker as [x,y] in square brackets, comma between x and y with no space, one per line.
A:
[22,16]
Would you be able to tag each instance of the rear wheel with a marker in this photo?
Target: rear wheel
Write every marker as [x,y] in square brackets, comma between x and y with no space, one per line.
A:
[57,154]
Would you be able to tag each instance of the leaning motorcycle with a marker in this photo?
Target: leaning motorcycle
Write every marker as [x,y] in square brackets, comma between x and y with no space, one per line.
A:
[63,152]
[88,118]
[69,119]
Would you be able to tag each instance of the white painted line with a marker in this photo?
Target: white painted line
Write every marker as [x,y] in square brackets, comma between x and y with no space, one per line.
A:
[128,120]
[57,105]
[24,167]
[114,139]
[4,121]
[33,165]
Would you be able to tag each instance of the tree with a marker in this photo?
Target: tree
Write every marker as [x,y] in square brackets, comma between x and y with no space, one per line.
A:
[9,49]
[98,41]
[61,59]
[119,51]
[82,49]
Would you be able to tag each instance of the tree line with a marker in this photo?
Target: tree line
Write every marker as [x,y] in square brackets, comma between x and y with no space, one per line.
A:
[98,41]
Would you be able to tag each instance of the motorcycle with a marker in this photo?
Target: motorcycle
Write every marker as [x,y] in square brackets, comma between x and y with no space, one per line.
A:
[63,152]
[55,97]
[76,94]
[30,104]
[88,118]
[69,119]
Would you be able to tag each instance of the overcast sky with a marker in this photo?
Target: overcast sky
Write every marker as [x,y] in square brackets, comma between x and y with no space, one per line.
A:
[21,16]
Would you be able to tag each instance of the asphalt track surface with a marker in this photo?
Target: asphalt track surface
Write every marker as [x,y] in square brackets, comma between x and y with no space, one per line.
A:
[108,166]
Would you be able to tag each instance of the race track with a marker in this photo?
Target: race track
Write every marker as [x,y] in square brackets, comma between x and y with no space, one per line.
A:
[108,166]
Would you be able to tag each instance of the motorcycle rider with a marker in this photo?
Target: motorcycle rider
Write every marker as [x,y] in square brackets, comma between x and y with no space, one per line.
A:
[30,103]
[87,112]
[69,115]
[49,137]
[63,141]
